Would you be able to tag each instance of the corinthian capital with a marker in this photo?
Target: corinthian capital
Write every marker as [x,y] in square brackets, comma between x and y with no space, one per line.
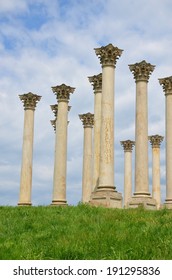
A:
[141,70]
[166,84]
[53,122]
[54,108]
[87,119]
[127,145]
[96,82]
[108,55]
[155,140]
[62,92]
[29,100]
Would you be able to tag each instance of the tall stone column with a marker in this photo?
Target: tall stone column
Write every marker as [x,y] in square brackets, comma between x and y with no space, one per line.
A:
[29,101]
[167,87]
[155,141]
[128,146]
[88,121]
[96,81]
[106,193]
[141,72]
[62,93]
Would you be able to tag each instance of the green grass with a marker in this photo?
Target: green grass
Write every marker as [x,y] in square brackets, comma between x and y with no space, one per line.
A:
[84,232]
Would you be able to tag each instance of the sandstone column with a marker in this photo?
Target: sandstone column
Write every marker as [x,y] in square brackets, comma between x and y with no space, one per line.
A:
[128,146]
[155,141]
[96,81]
[29,101]
[88,121]
[62,93]
[106,194]
[167,87]
[141,72]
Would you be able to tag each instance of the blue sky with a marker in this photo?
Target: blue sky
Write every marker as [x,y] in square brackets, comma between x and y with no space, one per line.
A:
[46,43]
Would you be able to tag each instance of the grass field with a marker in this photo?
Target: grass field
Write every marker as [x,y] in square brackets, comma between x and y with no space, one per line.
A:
[84,232]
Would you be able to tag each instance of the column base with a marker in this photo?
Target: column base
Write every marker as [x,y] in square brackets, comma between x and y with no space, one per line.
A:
[107,197]
[24,204]
[148,203]
[142,194]
[168,203]
[59,202]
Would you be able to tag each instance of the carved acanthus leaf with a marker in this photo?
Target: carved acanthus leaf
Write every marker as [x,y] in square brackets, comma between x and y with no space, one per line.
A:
[96,82]
[127,145]
[155,140]
[87,119]
[166,84]
[108,55]
[62,92]
[29,100]
[141,70]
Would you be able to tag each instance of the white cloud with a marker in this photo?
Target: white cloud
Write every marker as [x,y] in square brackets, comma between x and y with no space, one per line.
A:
[9,6]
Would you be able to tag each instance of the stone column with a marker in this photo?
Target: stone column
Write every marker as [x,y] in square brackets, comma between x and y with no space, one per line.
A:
[167,87]
[62,93]
[29,101]
[141,72]
[88,121]
[106,193]
[128,146]
[155,141]
[96,81]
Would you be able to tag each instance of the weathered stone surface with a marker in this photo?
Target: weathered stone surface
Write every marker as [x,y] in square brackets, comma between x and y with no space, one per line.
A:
[87,119]
[128,146]
[62,93]
[29,100]
[96,82]
[155,141]
[87,175]
[108,198]
[108,56]
[167,88]
[141,70]
[53,123]
[146,202]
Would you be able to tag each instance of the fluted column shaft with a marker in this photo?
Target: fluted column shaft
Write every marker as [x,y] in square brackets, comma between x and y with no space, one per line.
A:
[88,121]
[60,162]
[97,86]
[128,146]
[29,101]
[167,87]
[155,141]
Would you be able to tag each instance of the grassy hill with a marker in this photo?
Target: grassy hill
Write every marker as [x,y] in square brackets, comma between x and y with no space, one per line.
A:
[84,232]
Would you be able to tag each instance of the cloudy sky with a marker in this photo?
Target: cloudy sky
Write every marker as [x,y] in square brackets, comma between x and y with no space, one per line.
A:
[46,43]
